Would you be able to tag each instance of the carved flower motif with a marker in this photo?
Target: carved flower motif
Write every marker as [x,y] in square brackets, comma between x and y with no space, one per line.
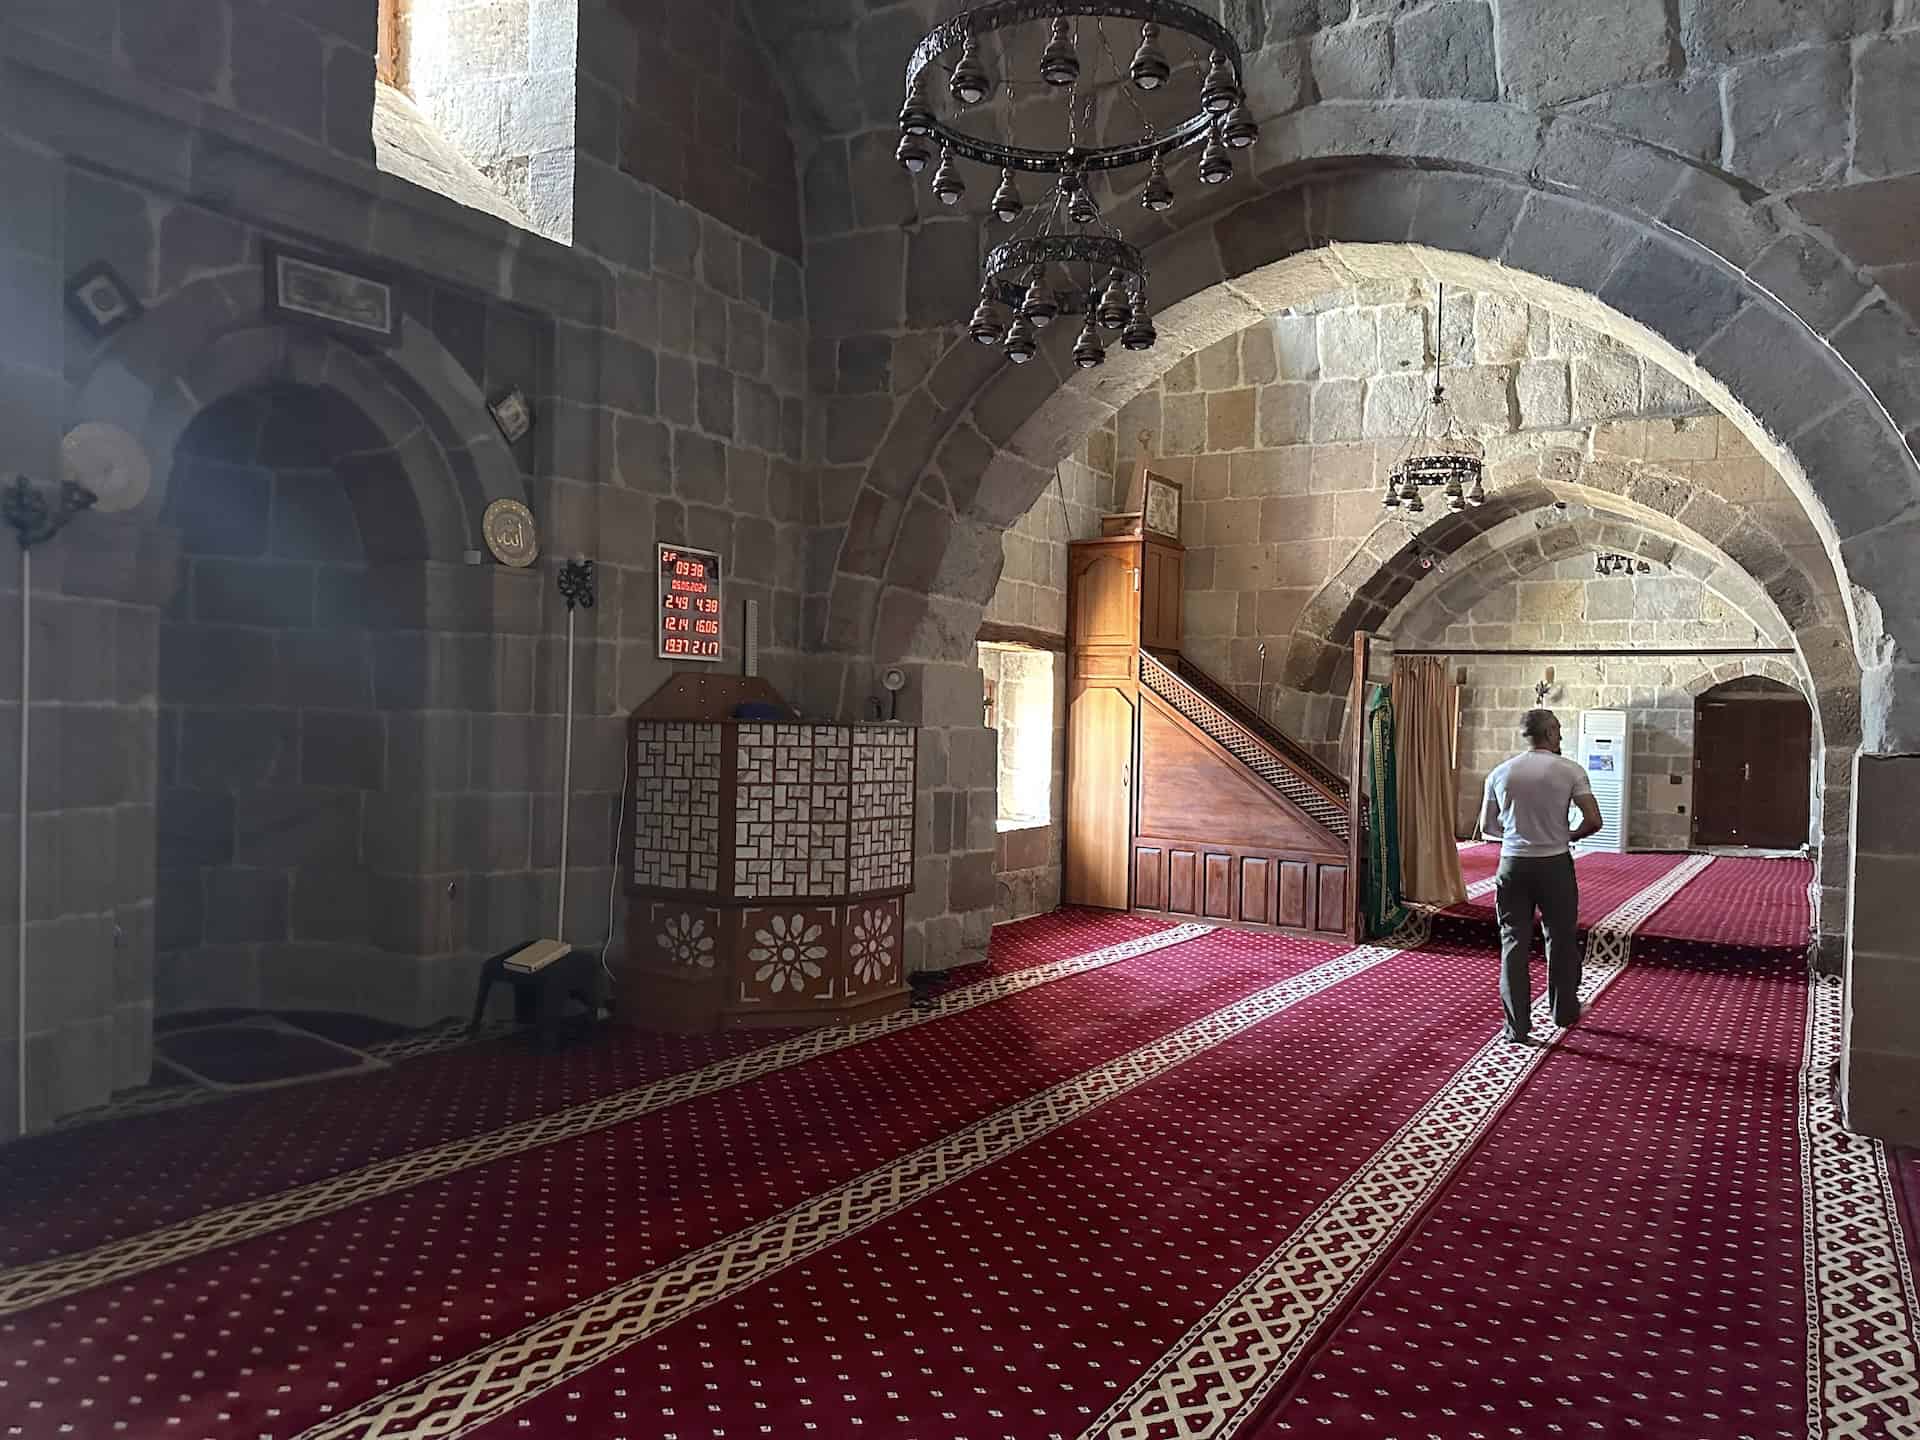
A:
[685,941]
[872,947]
[786,954]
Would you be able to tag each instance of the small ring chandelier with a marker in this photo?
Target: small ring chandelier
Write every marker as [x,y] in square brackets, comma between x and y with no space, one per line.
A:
[1064,257]
[1440,453]
[1613,563]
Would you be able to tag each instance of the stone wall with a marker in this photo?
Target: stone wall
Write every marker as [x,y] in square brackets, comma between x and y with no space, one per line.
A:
[1564,605]
[704,116]
[1282,436]
[1881,1072]
[269,742]
[665,362]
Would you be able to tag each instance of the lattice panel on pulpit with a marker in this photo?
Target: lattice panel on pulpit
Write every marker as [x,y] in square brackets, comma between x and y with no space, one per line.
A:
[791,810]
[884,762]
[676,816]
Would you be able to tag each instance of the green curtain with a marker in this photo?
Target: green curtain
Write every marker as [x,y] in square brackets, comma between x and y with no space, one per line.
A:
[1385,914]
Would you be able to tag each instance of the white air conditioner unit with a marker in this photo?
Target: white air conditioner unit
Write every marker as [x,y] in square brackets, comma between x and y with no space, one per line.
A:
[1606,754]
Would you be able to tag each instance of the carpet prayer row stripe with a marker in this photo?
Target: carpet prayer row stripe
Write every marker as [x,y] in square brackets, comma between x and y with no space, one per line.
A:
[490,1382]
[1862,1307]
[1228,1362]
[25,1286]
[129,1177]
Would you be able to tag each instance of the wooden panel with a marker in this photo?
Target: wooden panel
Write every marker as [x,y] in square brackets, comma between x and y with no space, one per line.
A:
[1105,596]
[1333,899]
[1160,595]
[1256,881]
[1219,887]
[1149,878]
[1181,867]
[1291,908]
[1099,792]
[1188,787]
[1103,665]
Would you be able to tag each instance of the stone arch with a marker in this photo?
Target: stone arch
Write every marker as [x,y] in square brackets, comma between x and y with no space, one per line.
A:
[200,346]
[1670,259]
[1383,572]
[1773,671]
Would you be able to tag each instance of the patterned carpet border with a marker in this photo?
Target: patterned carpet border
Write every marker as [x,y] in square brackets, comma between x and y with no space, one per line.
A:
[26,1286]
[1231,1359]
[488,1383]
[1863,1366]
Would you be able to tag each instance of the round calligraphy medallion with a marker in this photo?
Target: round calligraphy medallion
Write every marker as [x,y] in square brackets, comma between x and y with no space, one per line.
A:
[510,533]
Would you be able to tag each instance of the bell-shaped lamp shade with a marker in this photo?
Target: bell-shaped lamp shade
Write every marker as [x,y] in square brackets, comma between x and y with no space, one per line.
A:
[948,183]
[1007,203]
[1060,62]
[970,84]
[1021,341]
[1088,350]
[1150,69]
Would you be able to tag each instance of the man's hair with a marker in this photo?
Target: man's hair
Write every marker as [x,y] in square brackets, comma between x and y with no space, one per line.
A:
[1534,723]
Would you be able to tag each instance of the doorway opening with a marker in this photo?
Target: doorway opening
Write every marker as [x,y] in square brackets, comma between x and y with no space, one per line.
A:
[1752,766]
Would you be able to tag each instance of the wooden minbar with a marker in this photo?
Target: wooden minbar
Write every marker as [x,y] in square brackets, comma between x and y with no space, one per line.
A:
[767,862]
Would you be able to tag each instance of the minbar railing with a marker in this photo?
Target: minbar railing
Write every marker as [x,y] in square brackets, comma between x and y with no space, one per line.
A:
[1276,759]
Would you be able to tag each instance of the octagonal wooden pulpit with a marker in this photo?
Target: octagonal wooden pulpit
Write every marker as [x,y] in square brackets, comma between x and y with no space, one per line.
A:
[766,863]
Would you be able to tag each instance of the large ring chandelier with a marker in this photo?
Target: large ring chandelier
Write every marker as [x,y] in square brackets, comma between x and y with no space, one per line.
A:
[1439,454]
[1064,257]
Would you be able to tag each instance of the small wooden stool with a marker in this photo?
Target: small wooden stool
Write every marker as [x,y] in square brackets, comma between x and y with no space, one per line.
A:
[541,996]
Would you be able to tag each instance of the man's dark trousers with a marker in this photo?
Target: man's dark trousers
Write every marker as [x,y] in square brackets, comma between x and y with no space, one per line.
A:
[1544,883]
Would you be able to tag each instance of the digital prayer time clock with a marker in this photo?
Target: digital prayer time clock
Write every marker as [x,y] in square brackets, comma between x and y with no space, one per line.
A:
[690,610]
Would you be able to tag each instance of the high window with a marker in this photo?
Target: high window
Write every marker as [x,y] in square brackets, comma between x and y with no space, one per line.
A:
[475,101]
[1018,687]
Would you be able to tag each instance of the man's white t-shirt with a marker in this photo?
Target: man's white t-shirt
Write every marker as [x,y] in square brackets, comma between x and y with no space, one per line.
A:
[1527,803]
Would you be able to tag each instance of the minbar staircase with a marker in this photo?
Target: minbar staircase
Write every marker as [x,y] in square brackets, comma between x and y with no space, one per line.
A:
[1256,743]
[1234,820]
[1181,800]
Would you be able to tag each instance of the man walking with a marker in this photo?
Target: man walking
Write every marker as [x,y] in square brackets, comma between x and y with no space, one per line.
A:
[1526,805]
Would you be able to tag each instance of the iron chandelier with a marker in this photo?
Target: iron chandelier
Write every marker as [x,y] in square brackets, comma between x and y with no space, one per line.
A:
[1440,454]
[1058,69]
[1613,563]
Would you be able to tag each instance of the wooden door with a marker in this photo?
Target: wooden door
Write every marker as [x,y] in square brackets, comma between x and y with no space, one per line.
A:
[1099,798]
[1752,772]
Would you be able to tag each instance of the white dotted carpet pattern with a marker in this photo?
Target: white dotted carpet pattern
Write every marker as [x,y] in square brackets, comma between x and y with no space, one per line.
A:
[1128,1182]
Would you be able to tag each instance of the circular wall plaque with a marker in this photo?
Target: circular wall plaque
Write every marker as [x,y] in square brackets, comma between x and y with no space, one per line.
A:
[510,533]
[107,461]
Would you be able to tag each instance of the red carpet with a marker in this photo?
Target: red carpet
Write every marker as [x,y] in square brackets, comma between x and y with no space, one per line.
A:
[1623,1253]
[1606,881]
[433,1270]
[1478,863]
[1014,1301]
[125,1177]
[1232,1186]
[1760,907]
